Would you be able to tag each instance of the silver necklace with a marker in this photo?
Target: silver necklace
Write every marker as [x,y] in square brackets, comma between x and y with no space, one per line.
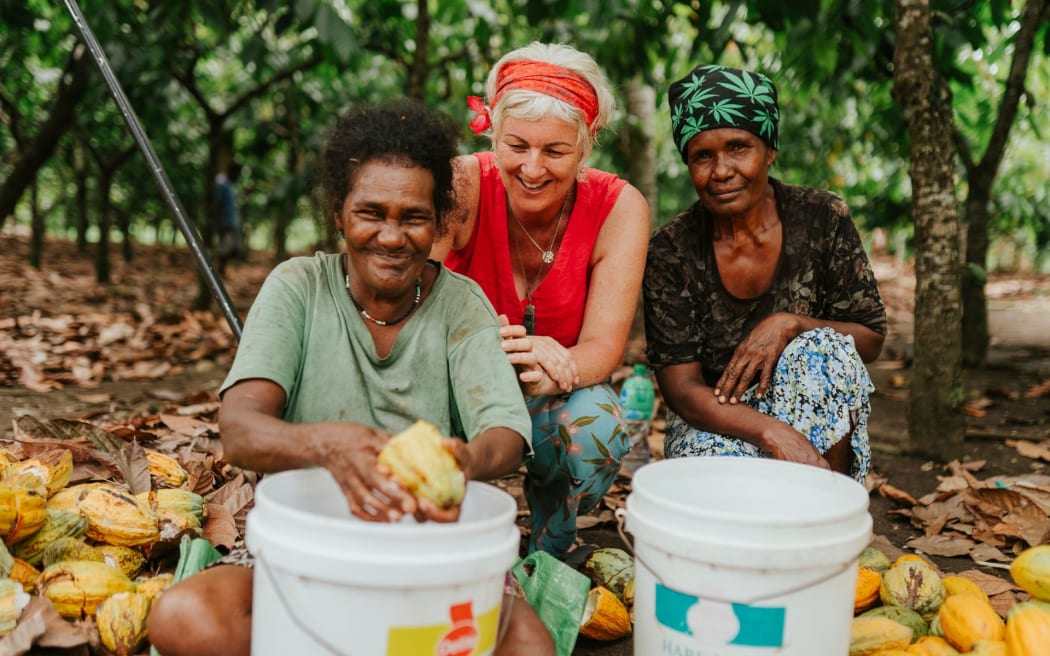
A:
[379,322]
[548,253]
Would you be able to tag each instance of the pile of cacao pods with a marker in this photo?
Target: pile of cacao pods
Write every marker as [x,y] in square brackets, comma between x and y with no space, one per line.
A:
[609,614]
[84,547]
[905,607]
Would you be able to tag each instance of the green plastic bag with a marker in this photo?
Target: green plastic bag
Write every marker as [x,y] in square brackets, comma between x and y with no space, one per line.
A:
[558,593]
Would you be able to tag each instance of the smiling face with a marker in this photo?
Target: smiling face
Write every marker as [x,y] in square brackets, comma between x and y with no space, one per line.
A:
[388,220]
[730,169]
[538,161]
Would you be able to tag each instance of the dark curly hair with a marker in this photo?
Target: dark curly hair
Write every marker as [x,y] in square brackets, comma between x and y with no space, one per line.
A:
[401,131]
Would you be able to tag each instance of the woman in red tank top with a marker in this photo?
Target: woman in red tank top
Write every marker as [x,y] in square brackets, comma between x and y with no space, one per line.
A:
[559,250]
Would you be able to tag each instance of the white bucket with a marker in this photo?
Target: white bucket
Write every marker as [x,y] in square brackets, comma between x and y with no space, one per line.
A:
[744,557]
[326,582]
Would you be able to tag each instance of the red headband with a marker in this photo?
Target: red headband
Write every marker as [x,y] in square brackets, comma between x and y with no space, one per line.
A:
[549,79]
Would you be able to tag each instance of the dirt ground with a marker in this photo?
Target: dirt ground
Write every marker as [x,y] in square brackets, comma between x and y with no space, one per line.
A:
[1019,360]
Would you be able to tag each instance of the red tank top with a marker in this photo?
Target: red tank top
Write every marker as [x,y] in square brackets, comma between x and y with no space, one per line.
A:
[560,298]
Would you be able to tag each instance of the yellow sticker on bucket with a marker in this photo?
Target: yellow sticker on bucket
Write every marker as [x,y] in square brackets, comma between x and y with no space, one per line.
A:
[463,635]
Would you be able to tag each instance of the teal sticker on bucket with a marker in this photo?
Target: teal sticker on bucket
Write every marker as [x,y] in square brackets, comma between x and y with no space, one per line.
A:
[715,622]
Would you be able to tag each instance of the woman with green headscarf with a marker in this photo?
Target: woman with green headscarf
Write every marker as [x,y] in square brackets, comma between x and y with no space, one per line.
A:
[761,307]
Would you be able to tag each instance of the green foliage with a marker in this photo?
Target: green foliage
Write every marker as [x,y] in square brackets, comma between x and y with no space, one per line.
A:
[831,61]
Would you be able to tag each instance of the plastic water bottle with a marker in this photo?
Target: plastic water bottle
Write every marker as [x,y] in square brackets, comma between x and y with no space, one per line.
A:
[638,398]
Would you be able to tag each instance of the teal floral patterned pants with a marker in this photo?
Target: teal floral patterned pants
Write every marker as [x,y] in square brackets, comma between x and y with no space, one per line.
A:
[820,387]
[578,440]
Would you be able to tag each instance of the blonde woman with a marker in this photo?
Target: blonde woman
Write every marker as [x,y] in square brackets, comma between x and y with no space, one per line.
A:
[559,249]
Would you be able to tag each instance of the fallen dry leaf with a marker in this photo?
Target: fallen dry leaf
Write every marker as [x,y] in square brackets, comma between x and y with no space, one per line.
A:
[896,494]
[942,545]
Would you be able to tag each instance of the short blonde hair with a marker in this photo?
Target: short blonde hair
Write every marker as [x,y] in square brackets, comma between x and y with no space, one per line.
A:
[531,105]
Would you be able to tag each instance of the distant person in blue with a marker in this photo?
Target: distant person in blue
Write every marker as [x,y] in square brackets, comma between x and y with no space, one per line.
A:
[231,235]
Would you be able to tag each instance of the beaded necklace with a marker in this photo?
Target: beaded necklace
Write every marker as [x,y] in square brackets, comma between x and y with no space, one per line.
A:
[380,322]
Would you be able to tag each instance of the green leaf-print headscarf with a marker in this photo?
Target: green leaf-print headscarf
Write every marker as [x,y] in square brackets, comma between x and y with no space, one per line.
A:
[719,97]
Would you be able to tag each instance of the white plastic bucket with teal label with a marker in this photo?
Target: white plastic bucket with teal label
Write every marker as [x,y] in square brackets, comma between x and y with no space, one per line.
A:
[744,557]
[326,582]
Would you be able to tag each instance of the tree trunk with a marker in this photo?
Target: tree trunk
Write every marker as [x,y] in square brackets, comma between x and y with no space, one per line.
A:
[81,177]
[105,183]
[419,68]
[975,335]
[638,144]
[936,424]
[71,89]
[36,238]
[980,178]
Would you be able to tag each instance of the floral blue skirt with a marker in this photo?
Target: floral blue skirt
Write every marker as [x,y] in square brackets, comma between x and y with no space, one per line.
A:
[820,387]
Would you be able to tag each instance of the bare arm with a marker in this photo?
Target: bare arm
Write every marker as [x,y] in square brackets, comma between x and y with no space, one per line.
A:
[685,392]
[255,437]
[466,183]
[616,282]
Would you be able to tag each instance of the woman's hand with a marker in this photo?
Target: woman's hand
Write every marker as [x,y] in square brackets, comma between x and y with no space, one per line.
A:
[756,357]
[785,443]
[369,489]
[544,366]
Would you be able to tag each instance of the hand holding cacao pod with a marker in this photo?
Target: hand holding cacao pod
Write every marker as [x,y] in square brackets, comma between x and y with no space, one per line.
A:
[418,459]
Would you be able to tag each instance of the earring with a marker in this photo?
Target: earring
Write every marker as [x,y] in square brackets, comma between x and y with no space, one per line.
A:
[581,174]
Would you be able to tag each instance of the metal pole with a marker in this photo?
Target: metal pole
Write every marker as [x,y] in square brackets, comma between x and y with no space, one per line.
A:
[194,241]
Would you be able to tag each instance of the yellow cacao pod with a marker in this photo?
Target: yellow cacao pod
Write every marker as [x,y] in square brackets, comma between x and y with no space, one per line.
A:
[875,559]
[913,585]
[27,473]
[910,558]
[12,600]
[6,561]
[178,511]
[25,574]
[989,648]
[68,498]
[1031,571]
[77,587]
[116,517]
[183,501]
[59,466]
[867,591]
[127,559]
[8,508]
[961,585]
[58,524]
[901,615]
[1028,629]
[604,616]
[121,621]
[166,469]
[153,586]
[891,652]
[870,635]
[418,459]
[68,548]
[965,619]
[31,503]
[628,594]
[931,646]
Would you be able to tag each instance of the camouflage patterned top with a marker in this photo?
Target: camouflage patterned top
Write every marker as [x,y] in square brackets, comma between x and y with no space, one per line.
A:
[823,273]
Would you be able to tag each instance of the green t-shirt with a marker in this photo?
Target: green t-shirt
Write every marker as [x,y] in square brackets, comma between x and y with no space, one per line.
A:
[446,367]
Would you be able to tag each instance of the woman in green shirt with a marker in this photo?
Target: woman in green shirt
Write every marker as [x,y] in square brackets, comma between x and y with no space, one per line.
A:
[342,350]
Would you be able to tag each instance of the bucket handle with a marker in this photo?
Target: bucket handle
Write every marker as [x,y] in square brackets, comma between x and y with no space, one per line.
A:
[621,514]
[329,647]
